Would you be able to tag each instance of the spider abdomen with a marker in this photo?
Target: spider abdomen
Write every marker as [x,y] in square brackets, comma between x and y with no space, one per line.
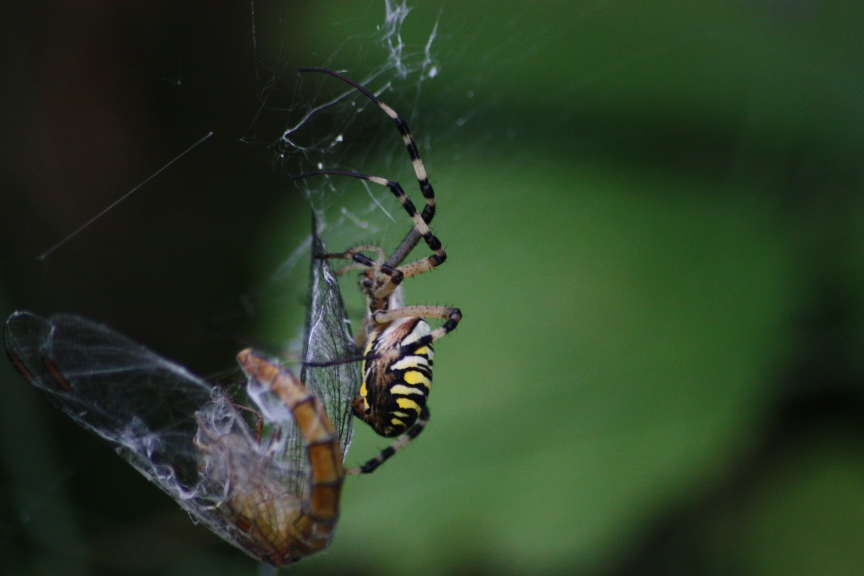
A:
[394,391]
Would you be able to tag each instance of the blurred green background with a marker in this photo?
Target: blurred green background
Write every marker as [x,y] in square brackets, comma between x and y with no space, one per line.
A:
[654,218]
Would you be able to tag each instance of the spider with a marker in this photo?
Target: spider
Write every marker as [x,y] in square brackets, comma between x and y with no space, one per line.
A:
[189,438]
[395,340]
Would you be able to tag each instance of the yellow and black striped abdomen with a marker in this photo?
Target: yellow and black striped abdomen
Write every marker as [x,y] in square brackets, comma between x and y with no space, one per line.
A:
[394,392]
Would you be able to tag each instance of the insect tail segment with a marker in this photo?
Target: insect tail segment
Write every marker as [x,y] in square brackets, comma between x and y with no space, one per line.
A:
[314,526]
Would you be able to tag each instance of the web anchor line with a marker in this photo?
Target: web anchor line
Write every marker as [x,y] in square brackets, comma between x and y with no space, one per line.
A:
[77,231]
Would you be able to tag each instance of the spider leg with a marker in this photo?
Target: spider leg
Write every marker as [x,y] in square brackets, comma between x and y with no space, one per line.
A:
[397,445]
[413,237]
[349,254]
[452,315]
[396,275]
[363,261]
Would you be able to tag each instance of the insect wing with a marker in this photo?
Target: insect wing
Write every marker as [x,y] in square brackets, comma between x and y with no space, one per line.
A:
[187,436]
[141,403]
[328,337]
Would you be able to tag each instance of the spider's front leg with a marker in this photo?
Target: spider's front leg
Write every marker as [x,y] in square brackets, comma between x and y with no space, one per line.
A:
[452,316]
[420,226]
[361,261]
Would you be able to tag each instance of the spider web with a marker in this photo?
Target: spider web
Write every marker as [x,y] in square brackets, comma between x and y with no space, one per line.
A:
[330,125]
[547,92]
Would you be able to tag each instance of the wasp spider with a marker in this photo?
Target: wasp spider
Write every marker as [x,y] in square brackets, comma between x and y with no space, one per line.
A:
[395,340]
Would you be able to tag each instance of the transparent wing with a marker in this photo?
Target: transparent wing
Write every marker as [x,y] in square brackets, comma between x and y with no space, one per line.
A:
[122,392]
[145,406]
[328,337]
[182,433]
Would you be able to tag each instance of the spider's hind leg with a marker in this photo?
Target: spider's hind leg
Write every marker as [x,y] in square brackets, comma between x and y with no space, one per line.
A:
[400,442]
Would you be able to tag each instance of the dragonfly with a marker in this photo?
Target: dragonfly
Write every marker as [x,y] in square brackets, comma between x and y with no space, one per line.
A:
[269,483]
